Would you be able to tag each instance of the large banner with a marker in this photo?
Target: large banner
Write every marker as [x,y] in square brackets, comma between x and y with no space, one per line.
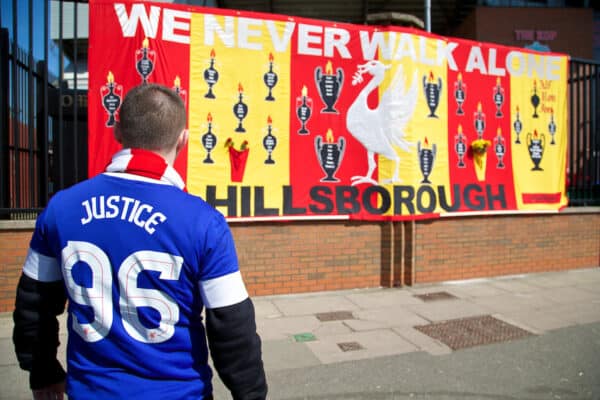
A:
[294,118]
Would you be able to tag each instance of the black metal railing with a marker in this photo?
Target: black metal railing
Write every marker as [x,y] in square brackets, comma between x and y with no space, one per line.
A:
[583,167]
[43,115]
[43,120]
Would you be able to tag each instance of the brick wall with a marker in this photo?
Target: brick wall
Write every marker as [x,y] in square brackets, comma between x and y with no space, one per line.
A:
[13,249]
[304,257]
[277,258]
[463,248]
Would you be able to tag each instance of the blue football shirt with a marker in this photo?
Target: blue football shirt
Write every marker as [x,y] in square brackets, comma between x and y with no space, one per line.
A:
[140,259]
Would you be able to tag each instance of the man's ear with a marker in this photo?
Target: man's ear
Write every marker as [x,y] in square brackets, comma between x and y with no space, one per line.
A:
[117,133]
[182,140]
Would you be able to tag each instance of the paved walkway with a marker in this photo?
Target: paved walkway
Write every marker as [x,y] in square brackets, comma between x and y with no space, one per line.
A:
[370,332]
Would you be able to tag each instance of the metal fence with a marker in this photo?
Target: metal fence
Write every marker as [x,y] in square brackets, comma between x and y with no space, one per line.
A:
[583,168]
[43,119]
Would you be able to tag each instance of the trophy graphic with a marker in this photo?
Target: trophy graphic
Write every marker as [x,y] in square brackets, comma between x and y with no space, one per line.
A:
[111,94]
[270,79]
[460,94]
[303,110]
[535,100]
[552,127]
[211,76]
[269,142]
[499,149]
[460,146]
[426,159]
[145,60]
[330,86]
[240,109]
[479,121]
[535,145]
[209,141]
[498,98]
[330,155]
[432,93]
[177,89]
[518,126]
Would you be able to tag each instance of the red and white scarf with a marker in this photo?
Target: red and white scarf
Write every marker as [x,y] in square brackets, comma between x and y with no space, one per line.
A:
[145,163]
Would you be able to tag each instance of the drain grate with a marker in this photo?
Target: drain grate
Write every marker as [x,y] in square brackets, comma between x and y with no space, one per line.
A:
[350,346]
[334,316]
[434,296]
[474,331]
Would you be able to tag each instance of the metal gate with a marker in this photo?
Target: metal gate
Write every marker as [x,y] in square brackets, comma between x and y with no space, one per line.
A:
[583,168]
[43,112]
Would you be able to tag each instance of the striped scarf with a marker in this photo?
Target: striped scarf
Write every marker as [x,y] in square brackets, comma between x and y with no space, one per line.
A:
[145,163]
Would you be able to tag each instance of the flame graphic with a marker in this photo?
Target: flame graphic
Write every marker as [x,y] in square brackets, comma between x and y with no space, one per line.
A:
[110,78]
[499,131]
[271,57]
[145,43]
[269,120]
[177,81]
[479,107]
[459,128]
[304,91]
[240,88]
[329,68]
[329,136]
[431,76]
[460,76]
[212,53]
[209,117]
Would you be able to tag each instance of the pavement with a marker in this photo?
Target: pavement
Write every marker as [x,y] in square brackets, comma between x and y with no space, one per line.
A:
[532,336]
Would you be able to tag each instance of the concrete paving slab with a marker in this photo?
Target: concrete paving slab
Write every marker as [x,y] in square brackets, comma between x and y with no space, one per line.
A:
[265,309]
[426,288]
[514,285]
[375,344]
[422,341]
[581,275]
[534,321]
[592,287]
[282,328]
[296,306]
[580,313]
[570,294]
[546,281]
[510,302]
[360,325]
[436,311]
[332,328]
[14,384]
[6,325]
[392,316]
[8,352]
[464,289]
[383,298]
[287,354]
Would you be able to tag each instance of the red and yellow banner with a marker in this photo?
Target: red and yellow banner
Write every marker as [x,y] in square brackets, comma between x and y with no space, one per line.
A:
[298,118]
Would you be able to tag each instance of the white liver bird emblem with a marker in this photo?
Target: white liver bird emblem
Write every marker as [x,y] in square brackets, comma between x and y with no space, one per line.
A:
[381,128]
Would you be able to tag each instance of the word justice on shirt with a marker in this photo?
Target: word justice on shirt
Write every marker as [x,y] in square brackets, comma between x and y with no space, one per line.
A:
[124,208]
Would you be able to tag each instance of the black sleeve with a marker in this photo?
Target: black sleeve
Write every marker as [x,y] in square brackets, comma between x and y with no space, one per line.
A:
[235,348]
[35,333]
